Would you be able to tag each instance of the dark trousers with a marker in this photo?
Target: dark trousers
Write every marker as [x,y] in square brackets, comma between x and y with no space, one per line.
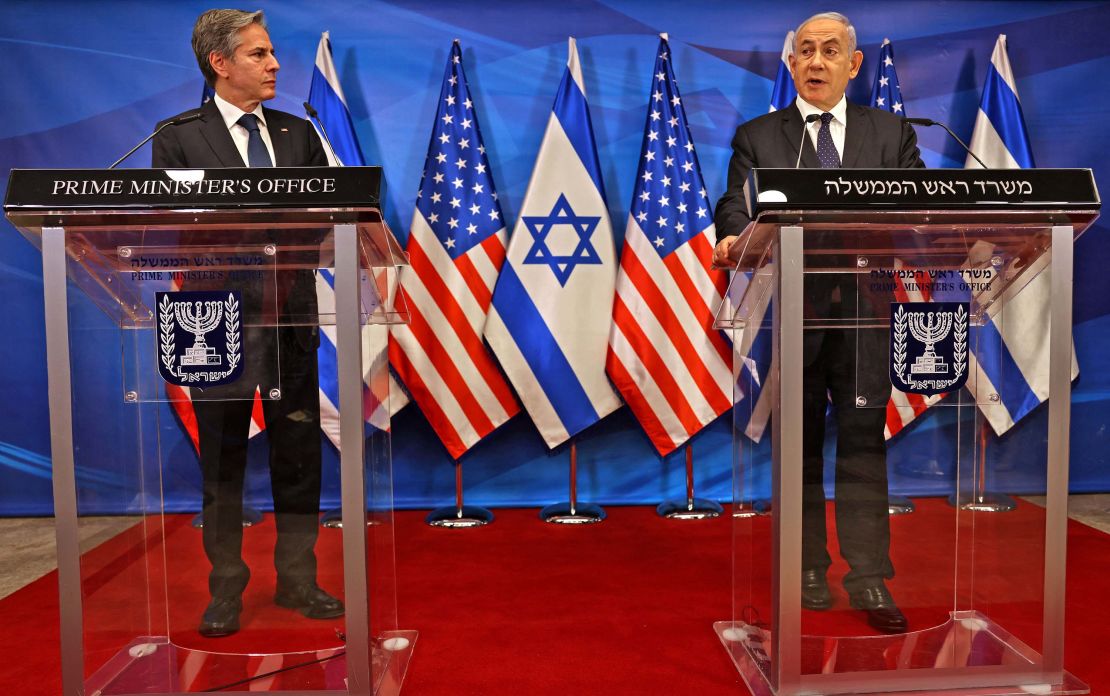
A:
[293,428]
[862,519]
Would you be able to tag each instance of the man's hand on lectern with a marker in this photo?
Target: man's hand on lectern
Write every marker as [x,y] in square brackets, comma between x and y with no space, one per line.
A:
[720,253]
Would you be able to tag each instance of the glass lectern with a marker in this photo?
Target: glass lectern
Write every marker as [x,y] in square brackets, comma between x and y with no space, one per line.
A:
[919,288]
[166,289]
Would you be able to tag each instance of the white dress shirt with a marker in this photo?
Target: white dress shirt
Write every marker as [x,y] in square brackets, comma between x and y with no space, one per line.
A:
[231,115]
[837,126]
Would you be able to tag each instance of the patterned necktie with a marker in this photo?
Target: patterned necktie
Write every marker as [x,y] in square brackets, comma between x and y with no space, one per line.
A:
[826,150]
[257,154]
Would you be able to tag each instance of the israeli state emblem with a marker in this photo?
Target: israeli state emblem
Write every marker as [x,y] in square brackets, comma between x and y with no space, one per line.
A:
[199,337]
[928,346]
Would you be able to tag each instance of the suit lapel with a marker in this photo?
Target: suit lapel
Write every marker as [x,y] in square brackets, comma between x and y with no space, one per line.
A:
[857,129]
[283,147]
[218,136]
[792,127]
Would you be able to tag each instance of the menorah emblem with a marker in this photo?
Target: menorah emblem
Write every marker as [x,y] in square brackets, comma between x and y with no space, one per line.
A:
[198,318]
[918,330]
[929,328]
[210,316]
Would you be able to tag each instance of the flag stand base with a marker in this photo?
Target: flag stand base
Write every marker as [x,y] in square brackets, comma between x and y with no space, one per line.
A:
[693,509]
[567,513]
[251,517]
[899,505]
[333,519]
[456,517]
[988,502]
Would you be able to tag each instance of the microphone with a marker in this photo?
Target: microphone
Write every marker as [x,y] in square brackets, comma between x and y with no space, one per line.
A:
[809,119]
[931,122]
[313,115]
[172,122]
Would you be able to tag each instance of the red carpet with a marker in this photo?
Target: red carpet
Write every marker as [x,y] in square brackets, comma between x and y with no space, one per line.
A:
[521,607]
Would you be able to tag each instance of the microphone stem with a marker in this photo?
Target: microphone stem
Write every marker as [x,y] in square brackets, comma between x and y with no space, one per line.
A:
[957,138]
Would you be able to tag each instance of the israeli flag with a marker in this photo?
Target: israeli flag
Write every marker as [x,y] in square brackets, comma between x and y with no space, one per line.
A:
[326,96]
[382,396]
[1010,370]
[553,303]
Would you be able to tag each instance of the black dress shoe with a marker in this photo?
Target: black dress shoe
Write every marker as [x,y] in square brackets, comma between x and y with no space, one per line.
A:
[221,618]
[310,600]
[882,613]
[815,590]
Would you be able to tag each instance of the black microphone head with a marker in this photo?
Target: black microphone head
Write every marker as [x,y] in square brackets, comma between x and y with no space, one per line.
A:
[919,121]
[186,118]
[309,110]
[811,118]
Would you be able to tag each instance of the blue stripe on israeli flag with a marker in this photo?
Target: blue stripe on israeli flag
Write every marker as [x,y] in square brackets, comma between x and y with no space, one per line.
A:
[541,351]
[998,364]
[573,114]
[784,93]
[326,96]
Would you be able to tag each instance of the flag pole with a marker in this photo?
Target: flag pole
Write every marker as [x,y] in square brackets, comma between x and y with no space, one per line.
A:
[692,508]
[459,515]
[573,512]
[981,500]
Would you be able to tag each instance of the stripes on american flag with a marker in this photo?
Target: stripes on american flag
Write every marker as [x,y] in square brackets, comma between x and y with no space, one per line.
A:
[666,359]
[456,247]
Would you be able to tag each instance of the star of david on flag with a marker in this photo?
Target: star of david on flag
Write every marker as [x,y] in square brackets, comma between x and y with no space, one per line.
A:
[552,306]
[666,359]
[541,226]
[456,248]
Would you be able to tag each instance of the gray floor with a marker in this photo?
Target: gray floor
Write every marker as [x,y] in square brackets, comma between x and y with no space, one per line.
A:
[27,544]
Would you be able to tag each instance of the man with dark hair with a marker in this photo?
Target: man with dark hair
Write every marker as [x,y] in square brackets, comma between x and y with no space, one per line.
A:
[235,55]
[824,60]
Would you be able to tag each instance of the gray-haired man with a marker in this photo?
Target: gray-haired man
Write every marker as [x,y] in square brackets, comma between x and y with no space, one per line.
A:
[849,135]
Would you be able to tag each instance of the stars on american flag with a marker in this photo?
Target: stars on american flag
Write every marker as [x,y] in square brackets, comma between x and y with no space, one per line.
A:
[456,195]
[670,202]
[886,93]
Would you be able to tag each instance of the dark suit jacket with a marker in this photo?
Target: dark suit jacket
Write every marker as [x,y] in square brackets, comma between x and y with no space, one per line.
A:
[206,144]
[873,139]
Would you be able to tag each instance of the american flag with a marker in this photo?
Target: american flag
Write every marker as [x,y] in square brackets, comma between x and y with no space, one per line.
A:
[456,248]
[886,94]
[669,363]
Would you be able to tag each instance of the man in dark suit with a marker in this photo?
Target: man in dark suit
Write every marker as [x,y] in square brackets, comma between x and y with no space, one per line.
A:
[237,59]
[843,134]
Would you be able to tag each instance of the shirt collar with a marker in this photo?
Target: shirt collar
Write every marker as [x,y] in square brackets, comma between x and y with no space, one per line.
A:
[231,113]
[839,112]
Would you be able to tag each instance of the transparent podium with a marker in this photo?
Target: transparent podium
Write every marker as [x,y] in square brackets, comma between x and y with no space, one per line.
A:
[189,305]
[834,302]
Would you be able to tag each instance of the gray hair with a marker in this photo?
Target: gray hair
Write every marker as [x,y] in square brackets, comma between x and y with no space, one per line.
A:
[218,31]
[834,16]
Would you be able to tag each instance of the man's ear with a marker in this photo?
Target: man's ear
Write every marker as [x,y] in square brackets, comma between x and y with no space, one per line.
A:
[857,63]
[219,63]
[790,61]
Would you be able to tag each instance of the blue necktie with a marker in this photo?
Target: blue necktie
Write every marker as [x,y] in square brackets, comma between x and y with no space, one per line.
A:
[826,150]
[257,154]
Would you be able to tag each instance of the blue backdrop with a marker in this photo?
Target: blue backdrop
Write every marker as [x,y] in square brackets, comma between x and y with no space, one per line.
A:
[84,81]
